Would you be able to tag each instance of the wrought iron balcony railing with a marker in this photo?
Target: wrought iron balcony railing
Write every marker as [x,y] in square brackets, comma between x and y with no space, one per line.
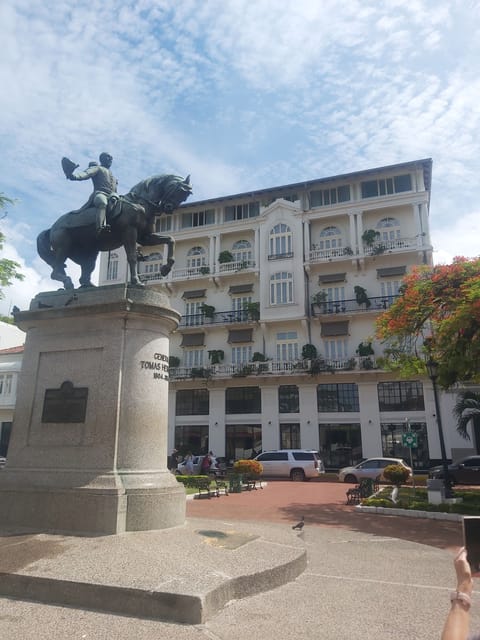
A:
[275,367]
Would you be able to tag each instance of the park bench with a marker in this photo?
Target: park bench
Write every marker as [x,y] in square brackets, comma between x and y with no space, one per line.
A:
[202,485]
[364,489]
[252,482]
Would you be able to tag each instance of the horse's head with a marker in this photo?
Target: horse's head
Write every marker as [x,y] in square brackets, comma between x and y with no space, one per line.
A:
[163,192]
[175,193]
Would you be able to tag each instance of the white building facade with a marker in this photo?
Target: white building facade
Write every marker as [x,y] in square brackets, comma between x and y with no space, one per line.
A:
[279,291]
[11,354]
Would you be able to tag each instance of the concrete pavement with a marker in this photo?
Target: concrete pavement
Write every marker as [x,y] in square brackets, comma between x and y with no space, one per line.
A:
[362,579]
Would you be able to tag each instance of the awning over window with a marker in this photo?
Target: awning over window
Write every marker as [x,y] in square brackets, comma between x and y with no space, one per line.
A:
[198,293]
[332,277]
[391,271]
[193,340]
[334,329]
[240,288]
[240,335]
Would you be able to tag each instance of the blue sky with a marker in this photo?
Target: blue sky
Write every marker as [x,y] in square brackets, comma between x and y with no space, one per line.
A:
[240,94]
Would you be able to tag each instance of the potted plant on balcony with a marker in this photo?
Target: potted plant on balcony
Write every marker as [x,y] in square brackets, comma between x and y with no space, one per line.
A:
[253,310]
[361,296]
[347,251]
[225,256]
[370,236]
[173,361]
[365,349]
[208,311]
[309,351]
[216,356]
[204,270]
[260,357]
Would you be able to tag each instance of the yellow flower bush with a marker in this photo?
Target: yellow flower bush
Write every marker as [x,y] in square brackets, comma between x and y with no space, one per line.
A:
[252,467]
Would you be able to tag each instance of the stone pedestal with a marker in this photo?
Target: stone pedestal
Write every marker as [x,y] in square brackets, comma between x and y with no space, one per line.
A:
[88,451]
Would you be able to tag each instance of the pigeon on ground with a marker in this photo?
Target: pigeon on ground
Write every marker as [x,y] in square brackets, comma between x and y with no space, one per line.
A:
[300,524]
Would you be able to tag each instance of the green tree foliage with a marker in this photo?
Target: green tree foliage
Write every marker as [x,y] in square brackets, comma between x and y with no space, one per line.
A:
[9,269]
[437,315]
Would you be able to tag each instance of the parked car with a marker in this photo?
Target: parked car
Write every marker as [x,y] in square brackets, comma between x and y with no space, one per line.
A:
[197,467]
[464,471]
[369,468]
[296,464]
[2,461]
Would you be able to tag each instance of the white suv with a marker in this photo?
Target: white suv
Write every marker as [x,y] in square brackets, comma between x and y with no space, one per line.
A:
[296,464]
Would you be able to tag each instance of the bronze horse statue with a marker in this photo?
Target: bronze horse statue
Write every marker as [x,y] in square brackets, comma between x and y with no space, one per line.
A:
[131,218]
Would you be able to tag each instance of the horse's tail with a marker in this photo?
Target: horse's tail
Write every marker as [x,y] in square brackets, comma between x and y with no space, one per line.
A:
[44,249]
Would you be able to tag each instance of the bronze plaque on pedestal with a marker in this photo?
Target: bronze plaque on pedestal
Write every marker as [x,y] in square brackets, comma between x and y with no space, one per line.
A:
[66,404]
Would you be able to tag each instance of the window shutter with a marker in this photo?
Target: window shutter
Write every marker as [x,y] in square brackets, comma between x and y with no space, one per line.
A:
[193,340]
[334,329]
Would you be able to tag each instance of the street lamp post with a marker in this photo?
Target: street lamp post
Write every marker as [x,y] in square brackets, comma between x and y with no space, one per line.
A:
[432,369]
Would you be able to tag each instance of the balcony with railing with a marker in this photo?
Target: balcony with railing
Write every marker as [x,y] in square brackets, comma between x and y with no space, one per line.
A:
[276,368]
[377,304]
[396,245]
[221,317]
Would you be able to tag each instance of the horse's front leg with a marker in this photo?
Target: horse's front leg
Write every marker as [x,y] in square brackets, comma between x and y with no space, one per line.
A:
[130,245]
[166,268]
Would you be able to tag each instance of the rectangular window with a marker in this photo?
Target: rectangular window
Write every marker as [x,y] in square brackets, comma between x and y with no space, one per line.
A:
[241,355]
[290,436]
[242,211]
[400,396]
[193,314]
[192,402]
[337,398]
[242,441]
[340,444]
[112,270]
[288,400]
[243,400]
[193,358]
[163,223]
[386,186]
[192,438]
[325,197]
[6,380]
[335,349]
[198,218]
[287,346]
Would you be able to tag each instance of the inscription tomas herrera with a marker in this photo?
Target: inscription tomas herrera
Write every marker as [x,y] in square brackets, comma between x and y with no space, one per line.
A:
[159,366]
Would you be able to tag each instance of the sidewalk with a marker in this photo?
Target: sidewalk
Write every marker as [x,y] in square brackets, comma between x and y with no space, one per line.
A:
[367,576]
[322,504]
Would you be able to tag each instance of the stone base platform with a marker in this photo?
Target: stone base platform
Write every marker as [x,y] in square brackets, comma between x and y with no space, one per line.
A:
[184,574]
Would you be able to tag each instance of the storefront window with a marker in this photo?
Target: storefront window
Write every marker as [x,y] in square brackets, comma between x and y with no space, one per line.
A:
[392,443]
[290,436]
[192,438]
[340,445]
[242,441]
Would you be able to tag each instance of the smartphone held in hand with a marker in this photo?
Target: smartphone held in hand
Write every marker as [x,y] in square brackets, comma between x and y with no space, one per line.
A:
[471,537]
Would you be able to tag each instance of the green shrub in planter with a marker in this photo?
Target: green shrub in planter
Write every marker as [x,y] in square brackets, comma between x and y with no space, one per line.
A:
[396,474]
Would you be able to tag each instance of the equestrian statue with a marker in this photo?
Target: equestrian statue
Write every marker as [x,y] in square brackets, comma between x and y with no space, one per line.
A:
[108,221]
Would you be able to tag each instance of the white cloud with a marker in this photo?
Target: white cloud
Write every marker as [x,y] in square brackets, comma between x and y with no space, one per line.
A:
[241,95]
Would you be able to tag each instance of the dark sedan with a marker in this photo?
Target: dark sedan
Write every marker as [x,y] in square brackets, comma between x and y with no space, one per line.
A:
[464,471]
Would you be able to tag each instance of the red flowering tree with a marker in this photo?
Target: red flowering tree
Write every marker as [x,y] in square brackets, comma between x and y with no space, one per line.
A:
[437,315]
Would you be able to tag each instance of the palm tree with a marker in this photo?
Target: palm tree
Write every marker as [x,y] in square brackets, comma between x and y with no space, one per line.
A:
[467,408]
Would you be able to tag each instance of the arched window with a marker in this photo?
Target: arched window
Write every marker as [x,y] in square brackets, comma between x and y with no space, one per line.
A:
[151,265]
[281,288]
[330,238]
[196,257]
[281,241]
[389,229]
[242,251]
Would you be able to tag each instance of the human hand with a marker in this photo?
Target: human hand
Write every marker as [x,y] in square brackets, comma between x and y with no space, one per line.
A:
[463,571]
